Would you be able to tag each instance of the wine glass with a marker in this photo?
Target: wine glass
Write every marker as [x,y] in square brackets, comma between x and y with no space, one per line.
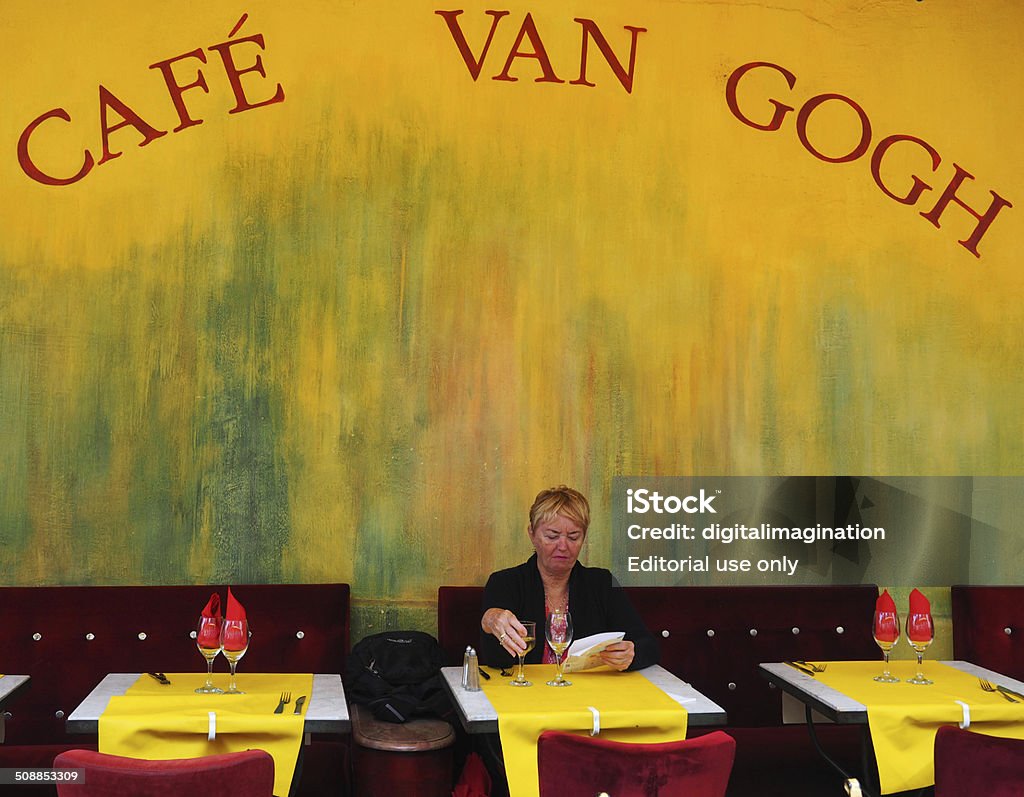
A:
[530,638]
[234,640]
[558,631]
[208,642]
[920,633]
[886,631]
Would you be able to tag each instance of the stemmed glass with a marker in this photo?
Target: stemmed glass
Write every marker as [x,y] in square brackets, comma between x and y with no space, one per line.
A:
[530,638]
[558,631]
[234,639]
[208,642]
[886,631]
[920,633]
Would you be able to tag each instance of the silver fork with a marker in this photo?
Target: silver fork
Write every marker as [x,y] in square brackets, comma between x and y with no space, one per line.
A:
[988,686]
[815,667]
[286,698]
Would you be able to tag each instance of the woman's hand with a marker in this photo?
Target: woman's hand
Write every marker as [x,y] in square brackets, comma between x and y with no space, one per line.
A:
[619,655]
[506,628]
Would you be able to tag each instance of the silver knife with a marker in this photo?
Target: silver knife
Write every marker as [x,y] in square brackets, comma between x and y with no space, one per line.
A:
[298,703]
[1007,691]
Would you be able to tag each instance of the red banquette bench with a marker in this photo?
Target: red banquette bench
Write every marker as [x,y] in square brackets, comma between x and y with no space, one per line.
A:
[714,638]
[988,627]
[68,638]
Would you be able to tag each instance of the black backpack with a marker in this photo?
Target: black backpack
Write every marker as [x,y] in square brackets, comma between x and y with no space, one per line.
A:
[397,675]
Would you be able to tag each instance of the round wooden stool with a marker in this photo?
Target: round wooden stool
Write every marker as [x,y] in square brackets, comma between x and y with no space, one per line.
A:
[411,759]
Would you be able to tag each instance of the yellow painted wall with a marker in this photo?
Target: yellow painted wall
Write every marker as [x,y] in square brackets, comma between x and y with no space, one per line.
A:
[349,335]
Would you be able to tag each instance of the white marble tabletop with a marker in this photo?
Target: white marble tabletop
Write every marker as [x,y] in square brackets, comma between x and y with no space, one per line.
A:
[326,712]
[10,686]
[478,715]
[837,707]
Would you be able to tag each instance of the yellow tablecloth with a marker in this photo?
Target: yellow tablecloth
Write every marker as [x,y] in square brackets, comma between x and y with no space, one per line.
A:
[903,717]
[631,709]
[162,722]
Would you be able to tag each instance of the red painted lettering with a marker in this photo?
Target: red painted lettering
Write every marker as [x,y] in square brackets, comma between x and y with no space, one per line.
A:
[780,109]
[234,74]
[529,30]
[28,165]
[128,119]
[919,186]
[176,90]
[109,102]
[984,219]
[808,109]
[473,64]
[625,76]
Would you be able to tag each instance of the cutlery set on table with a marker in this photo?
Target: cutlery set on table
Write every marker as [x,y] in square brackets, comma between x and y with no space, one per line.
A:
[286,698]
[807,668]
[1008,694]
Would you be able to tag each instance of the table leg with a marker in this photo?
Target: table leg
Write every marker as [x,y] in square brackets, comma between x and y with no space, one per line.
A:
[829,760]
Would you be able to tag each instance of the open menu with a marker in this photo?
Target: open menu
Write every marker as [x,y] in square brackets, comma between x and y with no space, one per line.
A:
[585,653]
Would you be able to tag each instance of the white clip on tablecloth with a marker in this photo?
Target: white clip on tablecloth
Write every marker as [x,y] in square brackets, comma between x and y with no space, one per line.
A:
[966,723]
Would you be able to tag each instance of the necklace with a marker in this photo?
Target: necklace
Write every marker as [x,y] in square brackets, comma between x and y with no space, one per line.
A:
[561,605]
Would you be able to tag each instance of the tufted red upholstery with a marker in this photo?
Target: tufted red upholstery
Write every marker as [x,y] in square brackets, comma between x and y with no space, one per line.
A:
[988,627]
[65,665]
[968,764]
[710,643]
[581,766]
[249,773]
[458,620]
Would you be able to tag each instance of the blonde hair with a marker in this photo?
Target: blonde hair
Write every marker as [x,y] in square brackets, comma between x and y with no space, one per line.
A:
[560,500]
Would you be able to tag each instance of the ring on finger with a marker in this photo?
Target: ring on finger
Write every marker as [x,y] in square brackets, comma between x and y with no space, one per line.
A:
[503,637]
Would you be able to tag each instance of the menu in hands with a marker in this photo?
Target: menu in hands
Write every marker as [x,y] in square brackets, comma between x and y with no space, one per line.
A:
[585,653]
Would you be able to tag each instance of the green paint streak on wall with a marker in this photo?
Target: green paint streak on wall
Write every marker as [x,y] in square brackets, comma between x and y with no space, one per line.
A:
[246,486]
[16,387]
[162,532]
[374,617]
[836,382]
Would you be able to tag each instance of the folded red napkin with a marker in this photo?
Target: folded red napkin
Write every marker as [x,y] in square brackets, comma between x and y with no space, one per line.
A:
[208,635]
[212,608]
[236,629]
[919,626]
[887,624]
[475,781]
[919,604]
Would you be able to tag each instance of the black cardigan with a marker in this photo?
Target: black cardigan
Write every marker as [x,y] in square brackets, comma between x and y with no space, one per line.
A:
[596,601]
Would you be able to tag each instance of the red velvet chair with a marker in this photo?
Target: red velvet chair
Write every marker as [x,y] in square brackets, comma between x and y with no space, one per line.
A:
[968,764]
[249,773]
[584,766]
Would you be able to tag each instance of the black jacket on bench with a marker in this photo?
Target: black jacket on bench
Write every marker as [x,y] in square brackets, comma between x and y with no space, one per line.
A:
[597,603]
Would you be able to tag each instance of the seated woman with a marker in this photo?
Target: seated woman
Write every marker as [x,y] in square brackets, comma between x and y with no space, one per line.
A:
[553,579]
